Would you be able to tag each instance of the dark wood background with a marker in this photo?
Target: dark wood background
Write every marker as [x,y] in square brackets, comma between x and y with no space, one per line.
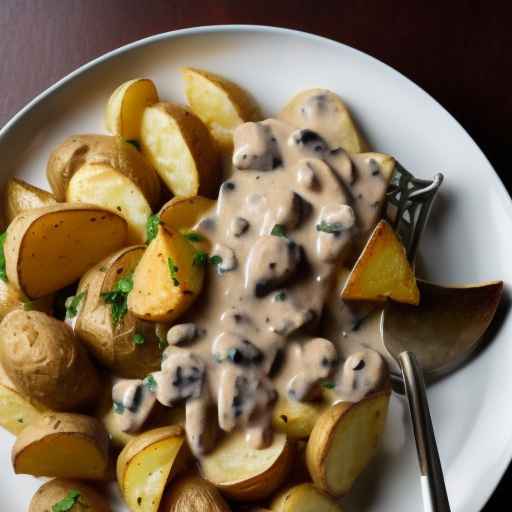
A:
[459,52]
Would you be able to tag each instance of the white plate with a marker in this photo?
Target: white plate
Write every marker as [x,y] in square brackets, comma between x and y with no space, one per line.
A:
[469,238]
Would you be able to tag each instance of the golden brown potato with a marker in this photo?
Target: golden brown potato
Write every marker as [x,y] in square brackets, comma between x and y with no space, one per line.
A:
[181,149]
[20,196]
[49,248]
[335,124]
[167,280]
[130,347]
[10,298]
[63,445]
[304,498]
[221,104]
[382,271]
[244,473]
[45,361]
[113,152]
[193,494]
[82,497]
[183,213]
[162,453]
[123,115]
[343,441]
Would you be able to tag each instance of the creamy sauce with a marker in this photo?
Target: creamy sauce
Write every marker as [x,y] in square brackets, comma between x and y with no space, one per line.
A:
[284,222]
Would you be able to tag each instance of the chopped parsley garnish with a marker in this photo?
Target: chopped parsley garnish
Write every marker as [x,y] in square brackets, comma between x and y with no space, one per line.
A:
[118,298]
[280,296]
[332,228]
[328,384]
[72,304]
[215,260]
[152,227]
[67,503]
[3,274]
[173,270]
[200,259]
[192,236]
[278,230]
[150,383]
[138,339]
[118,407]
[135,143]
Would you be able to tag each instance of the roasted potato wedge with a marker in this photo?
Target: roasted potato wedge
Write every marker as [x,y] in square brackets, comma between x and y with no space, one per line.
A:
[335,124]
[161,453]
[49,248]
[183,213]
[193,494]
[181,149]
[221,104]
[114,152]
[166,281]
[81,497]
[304,498]
[45,361]
[123,115]
[130,347]
[382,271]
[344,439]
[244,473]
[63,445]
[20,196]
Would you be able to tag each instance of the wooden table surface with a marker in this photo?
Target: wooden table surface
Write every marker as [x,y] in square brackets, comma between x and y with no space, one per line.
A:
[456,51]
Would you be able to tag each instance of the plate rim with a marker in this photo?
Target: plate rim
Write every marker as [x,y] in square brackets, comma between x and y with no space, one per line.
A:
[26,110]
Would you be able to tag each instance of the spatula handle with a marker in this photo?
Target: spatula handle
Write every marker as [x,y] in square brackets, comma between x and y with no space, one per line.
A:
[435,498]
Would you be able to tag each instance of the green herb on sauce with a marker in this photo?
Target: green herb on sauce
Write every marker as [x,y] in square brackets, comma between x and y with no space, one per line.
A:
[67,503]
[118,298]
[118,407]
[278,230]
[215,260]
[135,143]
[150,383]
[280,296]
[328,384]
[332,228]
[200,259]
[138,339]
[173,270]
[3,273]
[72,304]
[152,227]
[192,236]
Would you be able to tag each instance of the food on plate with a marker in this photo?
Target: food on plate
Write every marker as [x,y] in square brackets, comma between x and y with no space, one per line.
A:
[296,419]
[63,445]
[45,361]
[183,213]
[245,473]
[167,279]
[316,109]
[382,271]
[10,298]
[162,454]
[48,248]
[20,196]
[221,104]
[181,149]
[193,494]
[343,441]
[125,107]
[127,345]
[304,498]
[61,495]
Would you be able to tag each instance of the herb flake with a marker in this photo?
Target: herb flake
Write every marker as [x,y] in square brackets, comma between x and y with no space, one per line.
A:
[328,384]
[200,259]
[138,339]
[278,230]
[280,296]
[333,228]
[118,407]
[173,270]
[150,383]
[67,503]
[3,273]
[118,298]
[152,227]
[72,304]
[135,143]
[215,260]
[193,236]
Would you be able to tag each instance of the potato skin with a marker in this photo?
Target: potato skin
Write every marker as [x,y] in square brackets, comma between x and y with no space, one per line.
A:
[21,196]
[45,361]
[52,492]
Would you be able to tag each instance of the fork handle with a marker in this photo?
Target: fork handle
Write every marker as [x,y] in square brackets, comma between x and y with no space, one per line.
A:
[435,498]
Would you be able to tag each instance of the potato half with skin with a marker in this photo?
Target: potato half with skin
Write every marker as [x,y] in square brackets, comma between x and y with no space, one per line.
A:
[296,419]
[244,473]
[114,152]
[344,440]
[87,499]
[45,361]
[125,107]
[49,248]
[183,213]
[147,463]
[130,348]
[221,104]
[181,149]
[323,111]
[193,494]
[63,445]
[304,498]
[382,271]
[20,196]
[167,279]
